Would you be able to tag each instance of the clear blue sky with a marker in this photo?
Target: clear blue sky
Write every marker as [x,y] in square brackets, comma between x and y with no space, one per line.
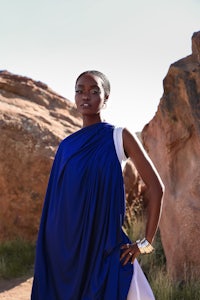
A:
[132,42]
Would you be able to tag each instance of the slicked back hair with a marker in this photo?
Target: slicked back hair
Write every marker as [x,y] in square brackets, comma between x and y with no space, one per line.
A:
[106,83]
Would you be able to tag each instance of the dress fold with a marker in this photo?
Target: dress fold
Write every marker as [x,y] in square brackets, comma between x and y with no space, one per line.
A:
[80,234]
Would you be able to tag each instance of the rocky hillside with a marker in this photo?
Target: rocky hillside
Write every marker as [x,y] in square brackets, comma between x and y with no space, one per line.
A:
[33,120]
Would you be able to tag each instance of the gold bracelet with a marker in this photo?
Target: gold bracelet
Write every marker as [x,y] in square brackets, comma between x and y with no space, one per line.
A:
[144,246]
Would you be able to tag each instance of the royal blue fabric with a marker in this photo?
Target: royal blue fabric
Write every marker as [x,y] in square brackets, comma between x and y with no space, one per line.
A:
[78,247]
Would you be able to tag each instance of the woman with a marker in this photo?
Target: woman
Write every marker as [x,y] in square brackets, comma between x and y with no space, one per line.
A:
[82,252]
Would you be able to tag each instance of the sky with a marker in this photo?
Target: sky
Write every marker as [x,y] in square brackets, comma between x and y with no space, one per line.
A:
[132,42]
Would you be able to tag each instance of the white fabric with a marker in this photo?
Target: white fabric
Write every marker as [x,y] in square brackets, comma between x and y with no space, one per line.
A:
[118,141]
[139,288]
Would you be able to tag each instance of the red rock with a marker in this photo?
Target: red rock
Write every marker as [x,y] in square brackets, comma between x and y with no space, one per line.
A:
[33,120]
[172,139]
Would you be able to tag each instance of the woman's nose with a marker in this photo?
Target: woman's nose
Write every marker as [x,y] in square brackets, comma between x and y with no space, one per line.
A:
[86,95]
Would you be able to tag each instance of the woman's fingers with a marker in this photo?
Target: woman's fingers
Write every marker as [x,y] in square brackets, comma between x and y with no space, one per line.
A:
[130,252]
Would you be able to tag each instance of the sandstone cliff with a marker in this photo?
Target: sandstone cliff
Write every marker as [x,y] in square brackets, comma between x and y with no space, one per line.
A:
[33,120]
[172,139]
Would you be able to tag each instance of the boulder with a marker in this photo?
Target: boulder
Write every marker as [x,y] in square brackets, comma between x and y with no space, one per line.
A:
[172,140]
[33,120]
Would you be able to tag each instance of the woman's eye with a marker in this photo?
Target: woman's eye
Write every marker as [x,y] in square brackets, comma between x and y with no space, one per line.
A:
[94,92]
[78,91]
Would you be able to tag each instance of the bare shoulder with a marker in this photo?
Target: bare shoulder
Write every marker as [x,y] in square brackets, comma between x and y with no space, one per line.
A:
[132,145]
[129,136]
[134,149]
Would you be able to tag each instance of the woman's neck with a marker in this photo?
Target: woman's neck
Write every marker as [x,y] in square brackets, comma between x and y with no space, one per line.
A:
[90,120]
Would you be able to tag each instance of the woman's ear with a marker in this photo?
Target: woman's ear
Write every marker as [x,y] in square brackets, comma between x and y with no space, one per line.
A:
[106,98]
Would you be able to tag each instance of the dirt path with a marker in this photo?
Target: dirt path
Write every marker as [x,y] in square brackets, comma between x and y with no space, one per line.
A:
[16,289]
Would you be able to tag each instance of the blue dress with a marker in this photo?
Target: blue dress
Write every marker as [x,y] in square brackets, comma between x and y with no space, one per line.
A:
[78,246]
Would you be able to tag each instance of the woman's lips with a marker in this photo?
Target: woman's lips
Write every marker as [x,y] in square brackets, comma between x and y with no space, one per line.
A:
[85,105]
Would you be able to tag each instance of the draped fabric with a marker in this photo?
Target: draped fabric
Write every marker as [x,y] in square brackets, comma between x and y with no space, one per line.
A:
[78,246]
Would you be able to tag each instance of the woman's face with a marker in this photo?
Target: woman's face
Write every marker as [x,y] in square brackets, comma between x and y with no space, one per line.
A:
[89,94]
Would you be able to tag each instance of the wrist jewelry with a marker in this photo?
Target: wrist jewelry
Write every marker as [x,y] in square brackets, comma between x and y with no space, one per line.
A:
[144,246]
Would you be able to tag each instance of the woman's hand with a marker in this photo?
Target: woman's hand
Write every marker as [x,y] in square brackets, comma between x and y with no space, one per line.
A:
[130,252]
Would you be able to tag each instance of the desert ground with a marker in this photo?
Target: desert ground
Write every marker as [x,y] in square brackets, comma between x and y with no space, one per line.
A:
[16,289]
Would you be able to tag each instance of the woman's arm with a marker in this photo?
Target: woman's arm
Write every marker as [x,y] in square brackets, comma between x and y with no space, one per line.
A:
[155,189]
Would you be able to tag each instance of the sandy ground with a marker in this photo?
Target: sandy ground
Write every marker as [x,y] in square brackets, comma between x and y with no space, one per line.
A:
[16,289]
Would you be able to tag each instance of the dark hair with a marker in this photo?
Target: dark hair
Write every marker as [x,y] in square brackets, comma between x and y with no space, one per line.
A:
[106,83]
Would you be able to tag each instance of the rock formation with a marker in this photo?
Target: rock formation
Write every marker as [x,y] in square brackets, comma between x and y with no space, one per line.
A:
[33,120]
[172,139]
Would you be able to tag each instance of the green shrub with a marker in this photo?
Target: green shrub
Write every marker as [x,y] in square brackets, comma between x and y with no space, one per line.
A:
[16,258]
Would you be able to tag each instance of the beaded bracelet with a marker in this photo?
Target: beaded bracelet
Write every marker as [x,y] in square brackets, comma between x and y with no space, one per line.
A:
[144,246]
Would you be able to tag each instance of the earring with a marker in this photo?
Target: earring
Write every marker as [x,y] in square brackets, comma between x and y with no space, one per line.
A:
[104,105]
